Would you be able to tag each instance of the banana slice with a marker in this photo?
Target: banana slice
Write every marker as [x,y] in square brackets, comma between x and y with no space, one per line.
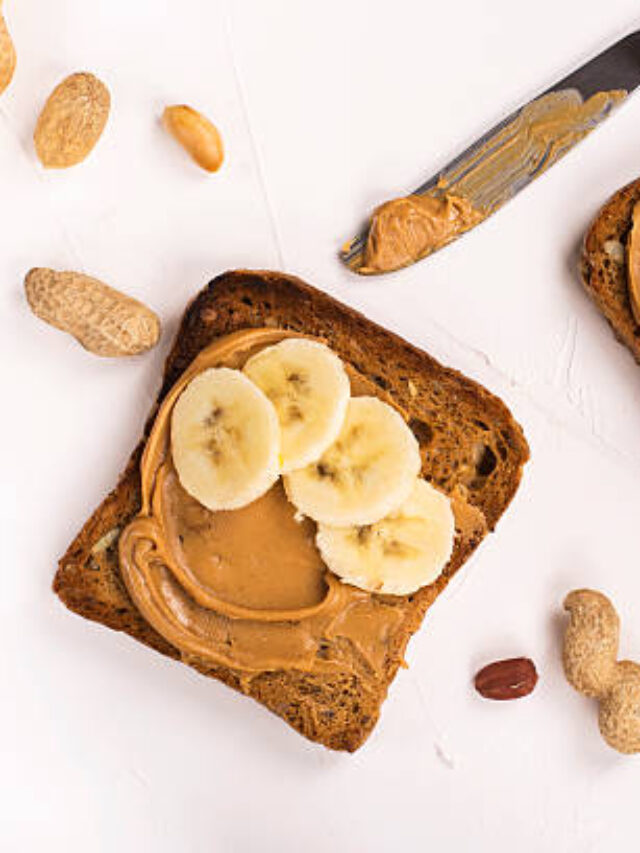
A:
[405,551]
[365,474]
[225,439]
[308,385]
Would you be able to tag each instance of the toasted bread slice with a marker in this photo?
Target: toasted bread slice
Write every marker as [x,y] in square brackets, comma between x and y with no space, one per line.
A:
[470,445]
[603,267]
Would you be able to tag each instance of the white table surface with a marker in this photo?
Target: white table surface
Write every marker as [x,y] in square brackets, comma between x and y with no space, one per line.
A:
[326,109]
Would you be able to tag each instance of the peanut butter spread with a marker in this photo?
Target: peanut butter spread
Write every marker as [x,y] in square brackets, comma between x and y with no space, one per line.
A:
[407,229]
[247,588]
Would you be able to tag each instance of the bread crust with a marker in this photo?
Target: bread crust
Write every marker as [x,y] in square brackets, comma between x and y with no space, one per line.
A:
[604,278]
[468,440]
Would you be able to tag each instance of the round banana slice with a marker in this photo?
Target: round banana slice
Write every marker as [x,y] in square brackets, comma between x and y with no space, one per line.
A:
[308,385]
[365,474]
[405,551]
[225,439]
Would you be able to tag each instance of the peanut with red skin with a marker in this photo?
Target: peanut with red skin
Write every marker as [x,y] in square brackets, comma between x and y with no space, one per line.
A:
[507,679]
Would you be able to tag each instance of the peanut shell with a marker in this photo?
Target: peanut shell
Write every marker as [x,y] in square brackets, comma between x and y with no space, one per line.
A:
[619,715]
[72,121]
[591,641]
[7,54]
[103,320]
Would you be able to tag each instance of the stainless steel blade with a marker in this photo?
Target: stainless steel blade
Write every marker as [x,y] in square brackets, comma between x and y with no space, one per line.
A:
[486,173]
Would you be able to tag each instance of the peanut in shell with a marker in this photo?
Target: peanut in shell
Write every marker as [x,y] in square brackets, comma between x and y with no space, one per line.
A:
[103,320]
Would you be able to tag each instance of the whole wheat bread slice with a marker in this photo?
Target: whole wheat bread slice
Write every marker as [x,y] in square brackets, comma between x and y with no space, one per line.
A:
[603,268]
[469,442]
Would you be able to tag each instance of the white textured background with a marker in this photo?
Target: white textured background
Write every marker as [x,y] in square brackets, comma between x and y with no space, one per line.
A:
[326,109]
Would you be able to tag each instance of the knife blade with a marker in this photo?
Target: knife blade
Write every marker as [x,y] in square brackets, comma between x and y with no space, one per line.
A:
[524,145]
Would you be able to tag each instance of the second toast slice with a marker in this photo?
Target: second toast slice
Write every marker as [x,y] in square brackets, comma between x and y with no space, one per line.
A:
[603,265]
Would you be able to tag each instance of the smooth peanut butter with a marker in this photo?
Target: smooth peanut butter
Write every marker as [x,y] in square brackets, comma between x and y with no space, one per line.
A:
[222,555]
[479,182]
[247,588]
[407,229]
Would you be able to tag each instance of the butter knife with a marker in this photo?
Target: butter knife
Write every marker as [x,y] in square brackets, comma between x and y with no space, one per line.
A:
[498,165]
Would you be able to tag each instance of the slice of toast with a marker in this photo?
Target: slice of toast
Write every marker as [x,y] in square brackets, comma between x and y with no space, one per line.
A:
[603,267]
[470,444]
